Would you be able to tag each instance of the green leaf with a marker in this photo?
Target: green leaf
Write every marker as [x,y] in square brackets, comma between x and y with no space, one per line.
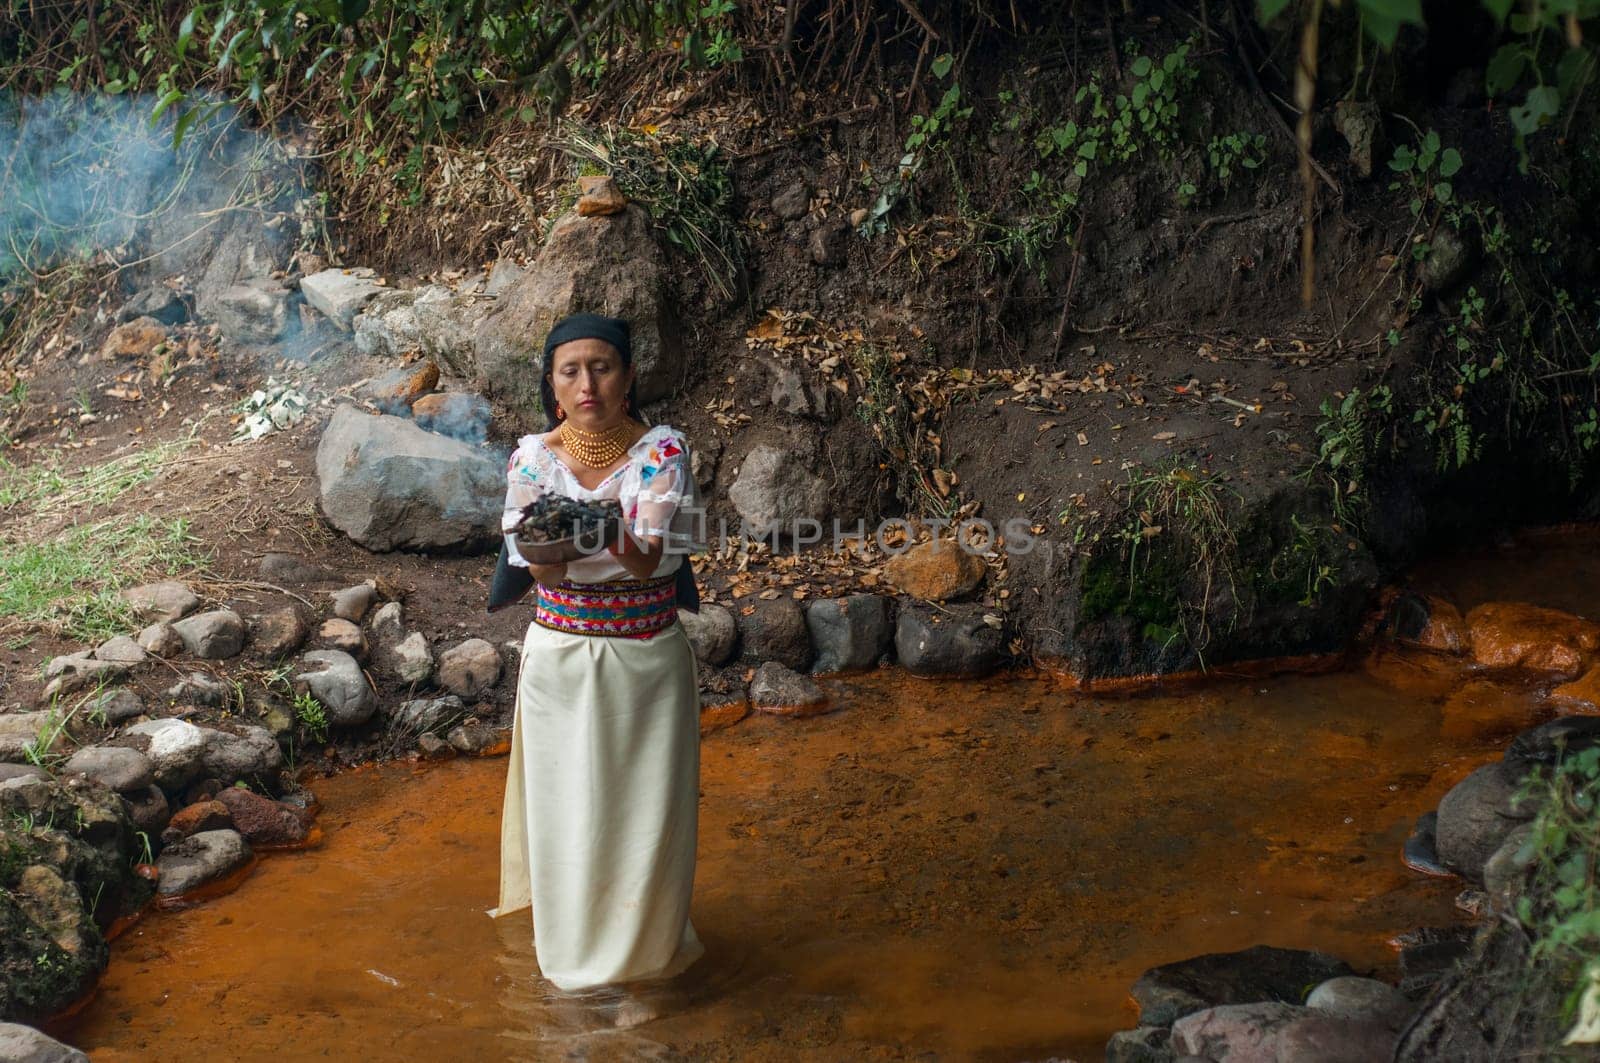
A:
[1505,69]
[1499,9]
[1270,9]
[1402,161]
[1449,163]
[166,101]
[185,32]
[942,64]
[1443,192]
[1430,142]
[1141,66]
[1140,92]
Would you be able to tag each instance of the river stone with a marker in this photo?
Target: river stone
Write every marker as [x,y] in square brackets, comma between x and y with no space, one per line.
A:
[280,632]
[115,705]
[1475,817]
[849,633]
[956,643]
[476,739]
[774,492]
[781,692]
[1518,635]
[470,668]
[935,571]
[148,809]
[1259,973]
[1362,999]
[389,485]
[339,294]
[167,601]
[1147,1044]
[1506,869]
[613,266]
[352,603]
[776,631]
[1582,695]
[1550,741]
[262,820]
[121,650]
[199,860]
[240,751]
[1421,850]
[336,680]
[20,730]
[160,640]
[123,770]
[200,688]
[24,1044]
[719,710]
[427,714]
[74,673]
[712,633]
[432,747]
[411,659]
[1428,621]
[212,636]
[388,623]
[1280,1033]
[176,748]
[339,634]
[192,819]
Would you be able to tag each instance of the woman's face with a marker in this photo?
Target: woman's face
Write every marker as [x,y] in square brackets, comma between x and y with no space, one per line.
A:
[590,382]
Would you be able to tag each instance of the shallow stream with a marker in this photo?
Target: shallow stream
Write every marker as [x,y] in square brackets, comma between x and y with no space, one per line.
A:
[936,870]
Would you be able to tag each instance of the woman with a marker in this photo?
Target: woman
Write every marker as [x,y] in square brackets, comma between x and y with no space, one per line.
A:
[599,824]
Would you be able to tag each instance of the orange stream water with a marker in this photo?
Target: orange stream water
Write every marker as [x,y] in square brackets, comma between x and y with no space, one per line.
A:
[936,870]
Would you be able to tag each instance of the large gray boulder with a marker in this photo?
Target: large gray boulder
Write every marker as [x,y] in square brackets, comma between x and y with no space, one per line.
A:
[119,768]
[240,751]
[246,252]
[24,1044]
[200,860]
[470,669]
[1477,815]
[339,294]
[335,679]
[776,631]
[712,633]
[608,265]
[1173,990]
[949,643]
[774,492]
[1281,1033]
[849,634]
[389,485]
[254,312]
[175,748]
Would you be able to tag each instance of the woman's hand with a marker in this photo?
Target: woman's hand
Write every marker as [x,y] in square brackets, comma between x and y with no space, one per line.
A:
[549,575]
[639,557]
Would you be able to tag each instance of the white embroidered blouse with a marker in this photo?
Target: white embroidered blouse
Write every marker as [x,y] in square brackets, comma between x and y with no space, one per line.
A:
[655,489]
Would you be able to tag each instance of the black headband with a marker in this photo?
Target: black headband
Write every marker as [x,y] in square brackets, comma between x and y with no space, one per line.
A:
[612,330]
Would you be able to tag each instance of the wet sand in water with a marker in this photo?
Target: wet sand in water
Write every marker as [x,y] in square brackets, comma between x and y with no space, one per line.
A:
[950,871]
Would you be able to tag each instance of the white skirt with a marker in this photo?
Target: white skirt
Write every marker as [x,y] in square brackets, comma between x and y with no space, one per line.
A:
[602,797]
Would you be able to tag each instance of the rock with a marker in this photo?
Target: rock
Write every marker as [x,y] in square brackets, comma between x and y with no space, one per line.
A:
[389,485]
[280,632]
[160,640]
[1429,953]
[782,692]
[136,339]
[192,819]
[935,571]
[1421,850]
[830,242]
[792,201]
[24,1044]
[176,749]
[201,860]
[257,312]
[61,946]
[388,622]
[793,394]
[76,673]
[774,493]
[1362,999]
[212,636]
[1517,635]
[240,751]
[1280,1033]
[427,714]
[477,739]
[387,326]
[263,821]
[958,644]
[148,809]
[599,196]
[123,770]
[609,265]
[1549,742]
[1506,870]
[1582,695]
[338,294]
[396,390]
[469,669]
[22,771]
[121,650]
[342,635]
[722,710]
[244,252]
[286,568]
[1147,1044]
[19,731]
[849,634]
[1476,816]
[432,747]
[1448,262]
[712,632]
[1481,709]
[199,688]
[335,679]
[502,276]
[1357,121]
[1430,622]
[776,631]
[411,659]
[445,324]
[352,603]
[159,304]
[1262,972]
[455,414]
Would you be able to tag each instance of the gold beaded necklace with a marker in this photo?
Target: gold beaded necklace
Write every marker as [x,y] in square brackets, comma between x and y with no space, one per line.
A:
[597,450]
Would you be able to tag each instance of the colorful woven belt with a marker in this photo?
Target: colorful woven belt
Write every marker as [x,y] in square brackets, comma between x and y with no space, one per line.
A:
[629,609]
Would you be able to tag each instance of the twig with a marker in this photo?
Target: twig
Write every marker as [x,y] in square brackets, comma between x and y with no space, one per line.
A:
[1072,280]
[256,585]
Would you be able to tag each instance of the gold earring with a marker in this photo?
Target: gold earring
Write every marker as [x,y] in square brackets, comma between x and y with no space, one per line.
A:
[561,415]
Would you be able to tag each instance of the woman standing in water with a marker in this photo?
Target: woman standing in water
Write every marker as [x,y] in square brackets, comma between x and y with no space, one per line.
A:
[599,823]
